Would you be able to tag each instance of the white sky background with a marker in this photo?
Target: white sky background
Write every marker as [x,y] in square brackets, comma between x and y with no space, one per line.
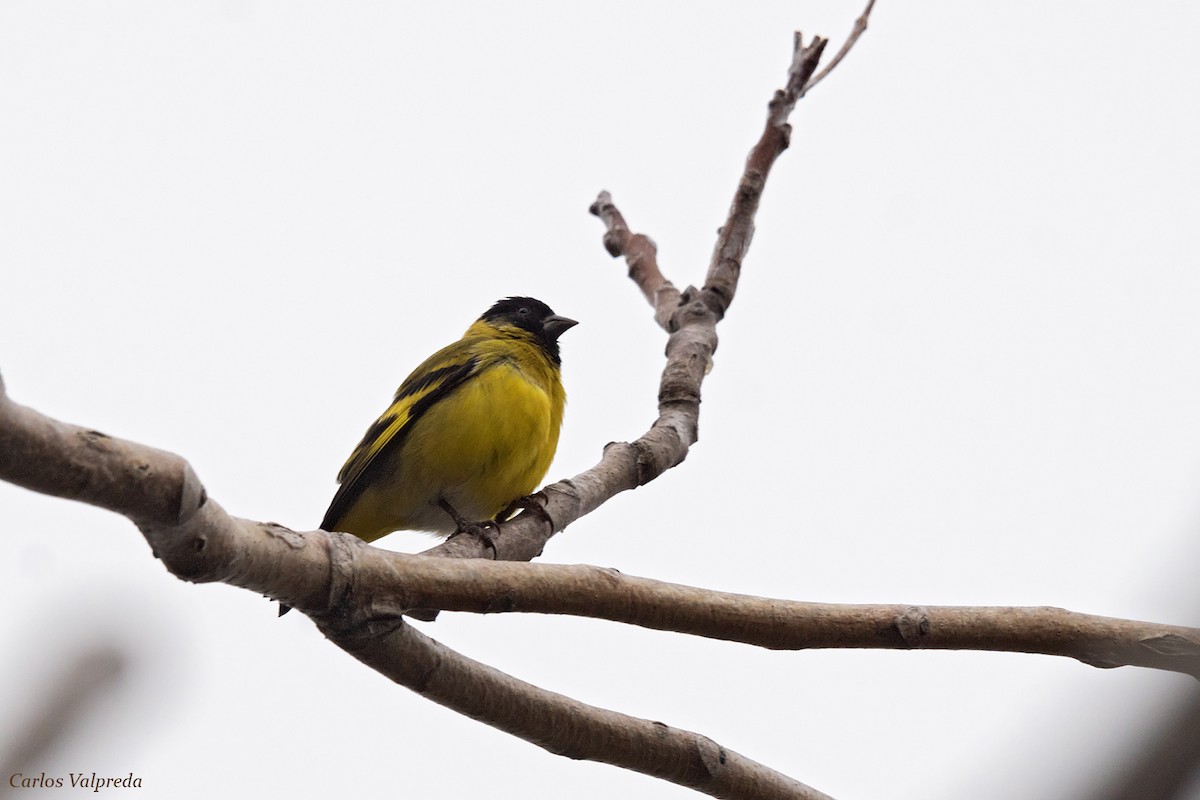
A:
[962,367]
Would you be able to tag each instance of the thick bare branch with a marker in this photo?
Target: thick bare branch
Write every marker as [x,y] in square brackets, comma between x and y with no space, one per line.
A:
[399,581]
[336,577]
[75,463]
[562,725]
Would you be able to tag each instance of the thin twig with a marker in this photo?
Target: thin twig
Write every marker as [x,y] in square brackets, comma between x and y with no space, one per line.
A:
[641,254]
[860,27]
[733,239]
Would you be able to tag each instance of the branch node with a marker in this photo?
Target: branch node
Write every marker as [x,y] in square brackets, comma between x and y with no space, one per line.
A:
[712,755]
[1099,663]
[752,183]
[860,27]
[715,296]
[598,206]
[342,556]
[614,243]
[648,467]
[912,624]
[1172,645]
[641,257]
[500,604]
[192,495]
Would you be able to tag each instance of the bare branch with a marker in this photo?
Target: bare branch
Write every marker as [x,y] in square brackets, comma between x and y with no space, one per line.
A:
[75,463]
[398,581]
[860,27]
[733,240]
[641,254]
[691,320]
[562,725]
[338,577]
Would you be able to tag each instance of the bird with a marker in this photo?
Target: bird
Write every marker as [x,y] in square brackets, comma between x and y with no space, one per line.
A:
[470,431]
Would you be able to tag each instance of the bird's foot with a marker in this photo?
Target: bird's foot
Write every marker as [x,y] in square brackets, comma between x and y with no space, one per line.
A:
[480,530]
[531,503]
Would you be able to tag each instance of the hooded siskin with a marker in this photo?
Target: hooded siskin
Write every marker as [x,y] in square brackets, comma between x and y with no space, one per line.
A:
[474,427]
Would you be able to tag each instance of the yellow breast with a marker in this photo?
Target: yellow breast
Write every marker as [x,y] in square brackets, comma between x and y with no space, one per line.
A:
[483,445]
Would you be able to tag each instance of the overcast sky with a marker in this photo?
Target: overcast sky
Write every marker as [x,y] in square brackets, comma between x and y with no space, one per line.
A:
[962,367]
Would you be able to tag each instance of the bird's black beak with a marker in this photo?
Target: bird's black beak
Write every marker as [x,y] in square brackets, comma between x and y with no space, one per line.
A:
[555,326]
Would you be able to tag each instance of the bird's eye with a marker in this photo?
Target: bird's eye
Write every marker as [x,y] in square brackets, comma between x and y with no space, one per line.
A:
[524,311]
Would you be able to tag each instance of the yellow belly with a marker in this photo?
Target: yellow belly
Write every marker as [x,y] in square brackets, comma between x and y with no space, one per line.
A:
[488,443]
